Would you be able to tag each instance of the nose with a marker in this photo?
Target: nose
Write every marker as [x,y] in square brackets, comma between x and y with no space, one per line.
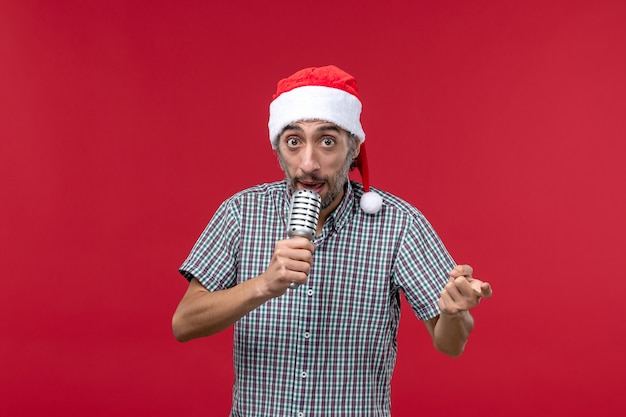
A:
[309,162]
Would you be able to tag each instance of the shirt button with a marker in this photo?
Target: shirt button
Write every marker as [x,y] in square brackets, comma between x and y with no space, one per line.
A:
[307,335]
[300,414]
[309,293]
[303,375]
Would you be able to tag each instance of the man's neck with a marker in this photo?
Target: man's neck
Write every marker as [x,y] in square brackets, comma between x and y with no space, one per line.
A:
[327,211]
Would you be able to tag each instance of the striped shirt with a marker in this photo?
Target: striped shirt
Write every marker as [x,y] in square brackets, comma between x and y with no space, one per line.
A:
[327,348]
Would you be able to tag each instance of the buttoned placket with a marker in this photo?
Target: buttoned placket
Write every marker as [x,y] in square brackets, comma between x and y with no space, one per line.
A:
[305,327]
[306,332]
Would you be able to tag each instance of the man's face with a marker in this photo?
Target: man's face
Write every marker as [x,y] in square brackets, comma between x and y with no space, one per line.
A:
[316,155]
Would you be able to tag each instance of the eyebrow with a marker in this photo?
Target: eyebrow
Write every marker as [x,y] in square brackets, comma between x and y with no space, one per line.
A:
[322,128]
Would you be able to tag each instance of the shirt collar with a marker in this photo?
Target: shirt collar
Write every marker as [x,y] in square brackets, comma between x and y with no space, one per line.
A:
[342,213]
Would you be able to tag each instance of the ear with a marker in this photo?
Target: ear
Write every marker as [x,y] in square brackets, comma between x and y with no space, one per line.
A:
[355,156]
[357,151]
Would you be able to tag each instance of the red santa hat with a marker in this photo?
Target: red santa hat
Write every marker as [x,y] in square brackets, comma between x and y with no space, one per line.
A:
[329,94]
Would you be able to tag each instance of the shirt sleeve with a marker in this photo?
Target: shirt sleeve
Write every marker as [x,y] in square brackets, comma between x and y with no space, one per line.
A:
[214,257]
[421,269]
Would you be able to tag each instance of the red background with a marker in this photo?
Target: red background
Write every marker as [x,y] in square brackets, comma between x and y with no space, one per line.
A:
[124,124]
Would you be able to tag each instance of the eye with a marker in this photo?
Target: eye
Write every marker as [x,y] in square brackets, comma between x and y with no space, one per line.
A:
[328,141]
[292,141]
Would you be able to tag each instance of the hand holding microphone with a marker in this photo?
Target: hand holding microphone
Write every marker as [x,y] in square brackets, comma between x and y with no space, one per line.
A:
[292,257]
[303,217]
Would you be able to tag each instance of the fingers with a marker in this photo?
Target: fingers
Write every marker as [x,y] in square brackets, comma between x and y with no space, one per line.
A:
[450,300]
[486,289]
[299,251]
[296,243]
[463,291]
[461,270]
[459,289]
[283,272]
[458,295]
[481,288]
[291,263]
[290,260]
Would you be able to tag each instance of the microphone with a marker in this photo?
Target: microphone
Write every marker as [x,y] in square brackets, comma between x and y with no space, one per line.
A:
[303,216]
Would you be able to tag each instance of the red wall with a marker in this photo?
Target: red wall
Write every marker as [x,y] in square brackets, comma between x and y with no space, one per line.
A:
[124,124]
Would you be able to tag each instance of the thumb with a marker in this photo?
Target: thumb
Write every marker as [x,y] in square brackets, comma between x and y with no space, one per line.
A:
[486,290]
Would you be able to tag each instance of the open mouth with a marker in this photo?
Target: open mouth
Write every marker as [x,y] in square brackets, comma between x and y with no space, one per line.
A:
[313,186]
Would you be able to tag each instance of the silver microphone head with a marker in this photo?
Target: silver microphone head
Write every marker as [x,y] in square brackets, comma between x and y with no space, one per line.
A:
[304,214]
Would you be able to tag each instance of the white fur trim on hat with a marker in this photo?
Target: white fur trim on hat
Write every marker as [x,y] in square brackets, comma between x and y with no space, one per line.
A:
[316,103]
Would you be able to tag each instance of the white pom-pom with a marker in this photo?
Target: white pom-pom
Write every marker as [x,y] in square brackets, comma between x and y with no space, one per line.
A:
[371,202]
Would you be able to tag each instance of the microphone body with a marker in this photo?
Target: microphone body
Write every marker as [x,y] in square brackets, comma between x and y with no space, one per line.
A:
[303,216]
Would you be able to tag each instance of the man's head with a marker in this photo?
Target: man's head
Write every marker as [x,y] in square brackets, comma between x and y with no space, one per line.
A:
[315,127]
[317,155]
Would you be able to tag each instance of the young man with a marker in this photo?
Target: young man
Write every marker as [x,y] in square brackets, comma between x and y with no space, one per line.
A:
[327,348]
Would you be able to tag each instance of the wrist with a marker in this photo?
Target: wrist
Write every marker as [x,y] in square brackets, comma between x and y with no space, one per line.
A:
[456,315]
